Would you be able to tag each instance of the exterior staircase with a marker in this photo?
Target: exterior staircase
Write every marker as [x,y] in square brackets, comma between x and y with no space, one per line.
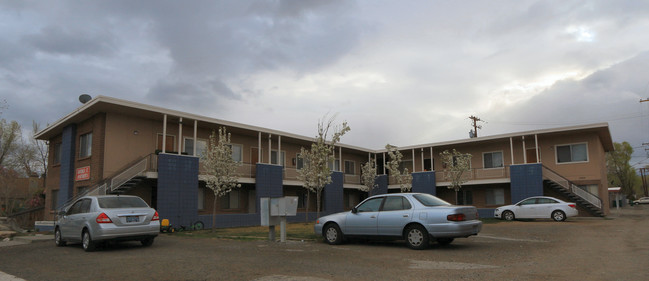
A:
[126,179]
[590,202]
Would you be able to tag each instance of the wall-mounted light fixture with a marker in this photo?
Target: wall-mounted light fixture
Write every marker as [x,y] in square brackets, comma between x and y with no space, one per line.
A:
[136,132]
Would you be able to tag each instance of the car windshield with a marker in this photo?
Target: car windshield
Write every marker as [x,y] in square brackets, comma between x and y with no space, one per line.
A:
[430,200]
[121,202]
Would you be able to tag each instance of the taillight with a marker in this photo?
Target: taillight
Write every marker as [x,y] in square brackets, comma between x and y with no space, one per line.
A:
[103,218]
[456,217]
[572,206]
[155,217]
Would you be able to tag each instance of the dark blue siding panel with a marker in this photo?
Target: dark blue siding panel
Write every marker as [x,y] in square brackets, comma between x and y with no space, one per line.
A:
[333,194]
[382,188]
[424,182]
[526,181]
[269,180]
[66,182]
[486,213]
[178,188]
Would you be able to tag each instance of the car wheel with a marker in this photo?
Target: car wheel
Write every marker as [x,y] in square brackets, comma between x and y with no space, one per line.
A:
[558,216]
[417,237]
[332,234]
[147,242]
[58,239]
[508,215]
[445,241]
[86,242]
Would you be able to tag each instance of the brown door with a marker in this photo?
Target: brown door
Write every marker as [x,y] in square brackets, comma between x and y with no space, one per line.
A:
[169,145]
[531,155]
[254,155]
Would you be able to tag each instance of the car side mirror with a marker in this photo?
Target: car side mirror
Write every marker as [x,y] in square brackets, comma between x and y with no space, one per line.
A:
[61,213]
[354,210]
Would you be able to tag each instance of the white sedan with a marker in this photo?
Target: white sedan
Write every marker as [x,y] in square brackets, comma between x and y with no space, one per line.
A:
[538,207]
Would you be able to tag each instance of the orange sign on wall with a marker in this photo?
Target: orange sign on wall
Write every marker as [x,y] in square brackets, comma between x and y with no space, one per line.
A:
[83,173]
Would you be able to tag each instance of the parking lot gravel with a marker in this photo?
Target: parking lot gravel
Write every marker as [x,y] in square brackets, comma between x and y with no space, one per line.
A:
[612,248]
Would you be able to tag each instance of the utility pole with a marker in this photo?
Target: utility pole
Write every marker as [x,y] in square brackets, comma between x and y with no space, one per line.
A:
[643,174]
[475,125]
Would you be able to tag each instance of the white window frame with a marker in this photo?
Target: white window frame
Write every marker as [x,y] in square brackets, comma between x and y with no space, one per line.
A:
[334,165]
[497,201]
[282,157]
[556,153]
[229,196]
[240,146]
[353,166]
[502,158]
[198,154]
[86,151]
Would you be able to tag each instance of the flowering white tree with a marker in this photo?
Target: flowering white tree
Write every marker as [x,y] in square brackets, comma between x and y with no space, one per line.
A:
[455,165]
[220,167]
[315,173]
[368,176]
[404,179]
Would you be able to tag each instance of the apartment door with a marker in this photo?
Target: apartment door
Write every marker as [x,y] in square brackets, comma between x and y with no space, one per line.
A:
[169,145]
[531,155]
[254,155]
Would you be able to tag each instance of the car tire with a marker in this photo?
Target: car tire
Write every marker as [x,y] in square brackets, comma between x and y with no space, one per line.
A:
[445,241]
[416,237]
[86,242]
[508,216]
[58,239]
[147,241]
[558,215]
[332,234]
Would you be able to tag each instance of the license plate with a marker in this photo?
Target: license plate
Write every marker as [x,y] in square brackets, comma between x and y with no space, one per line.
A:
[132,219]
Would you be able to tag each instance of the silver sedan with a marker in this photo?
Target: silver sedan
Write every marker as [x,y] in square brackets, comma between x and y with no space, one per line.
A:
[538,207]
[98,219]
[417,218]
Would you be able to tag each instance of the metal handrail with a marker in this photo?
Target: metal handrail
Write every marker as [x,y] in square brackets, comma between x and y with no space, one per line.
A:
[123,177]
[568,185]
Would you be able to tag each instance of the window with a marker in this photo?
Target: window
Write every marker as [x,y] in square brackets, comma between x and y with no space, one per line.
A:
[572,153]
[335,165]
[492,159]
[56,154]
[201,147]
[273,157]
[350,167]
[201,198]
[495,196]
[546,201]
[371,205]
[237,152]
[230,200]
[465,197]
[85,145]
[430,200]
[395,203]
[121,202]
[299,162]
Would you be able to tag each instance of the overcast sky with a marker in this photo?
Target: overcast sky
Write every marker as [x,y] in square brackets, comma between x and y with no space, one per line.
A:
[400,72]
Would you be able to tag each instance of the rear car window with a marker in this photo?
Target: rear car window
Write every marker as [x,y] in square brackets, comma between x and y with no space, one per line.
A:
[430,201]
[121,202]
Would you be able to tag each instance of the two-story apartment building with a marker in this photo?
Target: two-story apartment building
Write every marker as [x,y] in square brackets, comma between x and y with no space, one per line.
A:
[109,145]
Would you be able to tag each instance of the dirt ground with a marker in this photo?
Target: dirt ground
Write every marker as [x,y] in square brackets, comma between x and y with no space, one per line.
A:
[614,248]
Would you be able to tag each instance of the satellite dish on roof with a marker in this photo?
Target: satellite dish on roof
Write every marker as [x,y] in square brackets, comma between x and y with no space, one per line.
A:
[84,98]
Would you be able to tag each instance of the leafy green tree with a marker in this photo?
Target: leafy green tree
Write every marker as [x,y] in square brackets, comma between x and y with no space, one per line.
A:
[456,164]
[620,172]
[220,168]
[404,179]
[315,173]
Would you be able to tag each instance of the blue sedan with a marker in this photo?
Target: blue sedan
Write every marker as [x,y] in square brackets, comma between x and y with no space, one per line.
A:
[417,218]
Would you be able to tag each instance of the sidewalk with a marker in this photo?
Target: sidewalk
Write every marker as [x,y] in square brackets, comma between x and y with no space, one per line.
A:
[21,240]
